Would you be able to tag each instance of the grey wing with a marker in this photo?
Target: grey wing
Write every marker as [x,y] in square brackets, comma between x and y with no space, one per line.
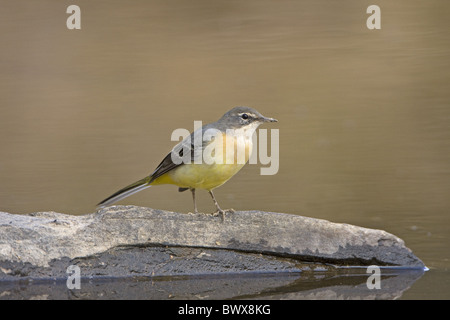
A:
[184,152]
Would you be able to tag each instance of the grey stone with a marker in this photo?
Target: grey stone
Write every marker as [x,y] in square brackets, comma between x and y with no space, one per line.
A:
[130,240]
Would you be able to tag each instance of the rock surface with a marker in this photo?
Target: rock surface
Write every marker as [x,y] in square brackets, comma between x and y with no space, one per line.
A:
[129,240]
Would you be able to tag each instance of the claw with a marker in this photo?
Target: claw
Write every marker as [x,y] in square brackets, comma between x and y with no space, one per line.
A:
[220,212]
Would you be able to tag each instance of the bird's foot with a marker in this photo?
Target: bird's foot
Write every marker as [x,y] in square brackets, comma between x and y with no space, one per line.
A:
[223,213]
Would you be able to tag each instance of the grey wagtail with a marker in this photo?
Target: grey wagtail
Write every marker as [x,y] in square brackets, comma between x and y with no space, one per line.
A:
[235,129]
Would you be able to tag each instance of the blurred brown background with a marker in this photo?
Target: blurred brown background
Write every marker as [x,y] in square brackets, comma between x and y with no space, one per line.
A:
[363,114]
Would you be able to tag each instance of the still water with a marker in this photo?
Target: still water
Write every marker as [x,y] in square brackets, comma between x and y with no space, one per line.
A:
[363,114]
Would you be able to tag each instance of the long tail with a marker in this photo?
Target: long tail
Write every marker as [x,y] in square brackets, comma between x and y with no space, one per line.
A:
[125,192]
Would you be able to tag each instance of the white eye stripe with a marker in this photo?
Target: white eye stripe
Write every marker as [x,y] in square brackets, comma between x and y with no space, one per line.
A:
[250,115]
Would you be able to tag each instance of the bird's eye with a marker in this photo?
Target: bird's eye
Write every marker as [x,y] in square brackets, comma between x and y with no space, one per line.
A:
[245,116]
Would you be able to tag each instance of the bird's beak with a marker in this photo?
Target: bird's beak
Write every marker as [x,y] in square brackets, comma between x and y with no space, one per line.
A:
[264,119]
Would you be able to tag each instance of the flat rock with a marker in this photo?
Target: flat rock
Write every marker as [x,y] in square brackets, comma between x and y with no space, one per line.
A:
[127,240]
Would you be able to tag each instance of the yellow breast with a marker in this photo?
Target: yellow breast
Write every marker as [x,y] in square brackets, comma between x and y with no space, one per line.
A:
[229,157]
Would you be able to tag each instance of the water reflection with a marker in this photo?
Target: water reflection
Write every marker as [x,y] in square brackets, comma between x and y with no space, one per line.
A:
[316,286]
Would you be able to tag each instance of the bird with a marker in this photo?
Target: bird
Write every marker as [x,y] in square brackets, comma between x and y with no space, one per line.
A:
[229,145]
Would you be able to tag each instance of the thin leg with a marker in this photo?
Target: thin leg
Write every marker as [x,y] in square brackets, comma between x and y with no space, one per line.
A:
[193,198]
[215,202]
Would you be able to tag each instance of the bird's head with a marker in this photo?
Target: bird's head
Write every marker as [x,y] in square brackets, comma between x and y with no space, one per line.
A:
[243,117]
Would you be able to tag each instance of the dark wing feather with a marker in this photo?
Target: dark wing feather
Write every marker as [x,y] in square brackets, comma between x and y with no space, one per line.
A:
[186,146]
[167,164]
